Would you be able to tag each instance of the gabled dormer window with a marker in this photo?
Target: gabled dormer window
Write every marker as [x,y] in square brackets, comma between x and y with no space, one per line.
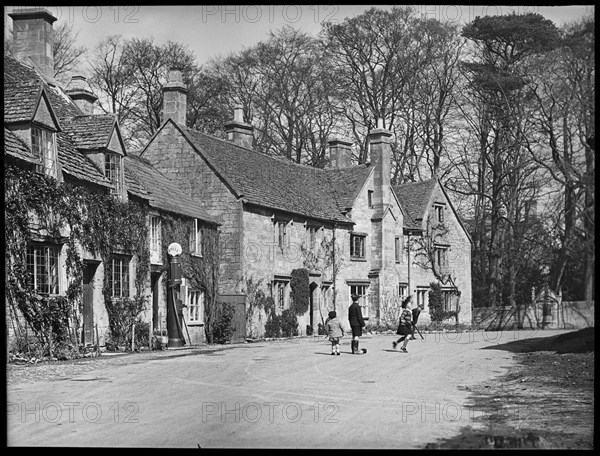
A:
[113,171]
[43,145]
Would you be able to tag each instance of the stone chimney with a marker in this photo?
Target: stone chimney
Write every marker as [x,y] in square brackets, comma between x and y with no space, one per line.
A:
[175,98]
[340,153]
[382,250]
[32,37]
[379,141]
[238,131]
[81,93]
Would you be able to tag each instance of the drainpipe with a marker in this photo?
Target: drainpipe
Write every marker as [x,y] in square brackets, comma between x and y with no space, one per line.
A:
[333,265]
[408,261]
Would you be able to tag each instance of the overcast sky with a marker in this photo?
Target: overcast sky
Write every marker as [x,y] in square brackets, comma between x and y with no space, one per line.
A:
[209,31]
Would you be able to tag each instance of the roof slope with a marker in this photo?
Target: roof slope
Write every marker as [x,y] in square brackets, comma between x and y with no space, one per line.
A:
[22,87]
[14,146]
[162,193]
[414,197]
[21,91]
[276,183]
[91,131]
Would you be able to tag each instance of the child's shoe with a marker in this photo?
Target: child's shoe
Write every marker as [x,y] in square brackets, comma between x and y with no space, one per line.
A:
[404,350]
[394,344]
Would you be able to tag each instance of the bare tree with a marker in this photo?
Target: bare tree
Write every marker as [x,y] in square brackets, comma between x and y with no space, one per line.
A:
[67,55]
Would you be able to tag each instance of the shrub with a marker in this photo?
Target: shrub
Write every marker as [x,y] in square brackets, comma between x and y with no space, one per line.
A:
[222,327]
[289,323]
[273,325]
[300,291]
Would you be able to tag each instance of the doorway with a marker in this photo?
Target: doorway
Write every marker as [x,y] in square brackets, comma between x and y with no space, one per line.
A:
[89,272]
[154,285]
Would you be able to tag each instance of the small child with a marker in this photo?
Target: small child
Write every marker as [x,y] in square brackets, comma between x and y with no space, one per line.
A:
[334,331]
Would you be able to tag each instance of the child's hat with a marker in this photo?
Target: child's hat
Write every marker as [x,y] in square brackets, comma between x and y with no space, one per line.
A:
[332,314]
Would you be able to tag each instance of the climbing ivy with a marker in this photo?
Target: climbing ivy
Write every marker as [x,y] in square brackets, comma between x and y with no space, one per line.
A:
[97,222]
[201,271]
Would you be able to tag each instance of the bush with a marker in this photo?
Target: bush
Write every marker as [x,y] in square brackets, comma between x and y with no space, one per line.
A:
[309,330]
[300,291]
[289,323]
[273,326]
[321,329]
[222,328]
[122,314]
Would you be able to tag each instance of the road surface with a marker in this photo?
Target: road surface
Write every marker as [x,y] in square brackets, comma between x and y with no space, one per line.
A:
[277,394]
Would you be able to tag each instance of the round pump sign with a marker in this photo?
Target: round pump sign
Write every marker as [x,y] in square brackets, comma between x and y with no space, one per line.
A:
[174,249]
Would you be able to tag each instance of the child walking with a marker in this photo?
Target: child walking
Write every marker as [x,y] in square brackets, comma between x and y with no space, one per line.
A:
[334,331]
[405,328]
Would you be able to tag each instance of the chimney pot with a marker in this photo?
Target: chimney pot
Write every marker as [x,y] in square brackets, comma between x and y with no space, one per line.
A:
[81,93]
[238,131]
[340,152]
[238,114]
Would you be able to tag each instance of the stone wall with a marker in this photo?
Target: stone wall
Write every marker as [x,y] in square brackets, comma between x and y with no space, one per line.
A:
[172,155]
[564,315]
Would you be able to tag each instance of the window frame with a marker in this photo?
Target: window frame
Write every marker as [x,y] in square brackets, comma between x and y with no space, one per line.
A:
[362,255]
[439,209]
[113,166]
[441,256]
[363,296]
[282,237]
[280,293]
[51,267]
[155,237]
[422,296]
[120,275]
[195,299]
[196,245]
[403,290]
[41,137]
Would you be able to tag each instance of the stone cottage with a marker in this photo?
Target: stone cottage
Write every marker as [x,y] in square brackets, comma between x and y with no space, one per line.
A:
[345,224]
[52,131]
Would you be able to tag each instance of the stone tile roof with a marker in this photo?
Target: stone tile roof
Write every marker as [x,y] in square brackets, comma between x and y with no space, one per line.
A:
[414,197]
[14,146]
[22,89]
[347,183]
[91,131]
[277,183]
[78,165]
[162,193]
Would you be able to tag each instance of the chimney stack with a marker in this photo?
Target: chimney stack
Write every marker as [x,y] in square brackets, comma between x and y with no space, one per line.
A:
[81,93]
[33,37]
[238,131]
[379,141]
[175,98]
[340,152]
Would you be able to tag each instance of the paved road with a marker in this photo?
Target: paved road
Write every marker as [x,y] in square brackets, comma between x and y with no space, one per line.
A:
[280,394]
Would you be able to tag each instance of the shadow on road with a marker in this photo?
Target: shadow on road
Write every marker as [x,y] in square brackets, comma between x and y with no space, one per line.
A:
[581,341]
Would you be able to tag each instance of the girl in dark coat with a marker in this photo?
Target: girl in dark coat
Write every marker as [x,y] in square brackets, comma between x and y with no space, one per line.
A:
[405,328]
[356,321]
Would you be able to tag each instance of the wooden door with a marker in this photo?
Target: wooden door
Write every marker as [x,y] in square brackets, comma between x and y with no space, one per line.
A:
[89,270]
